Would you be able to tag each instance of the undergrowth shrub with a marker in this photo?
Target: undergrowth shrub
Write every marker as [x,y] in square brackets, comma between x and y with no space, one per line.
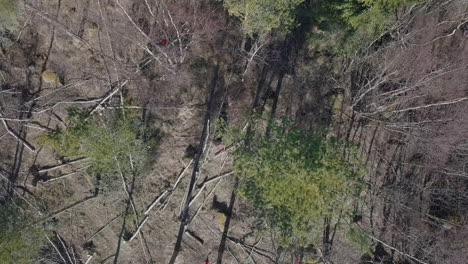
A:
[115,143]
[20,242]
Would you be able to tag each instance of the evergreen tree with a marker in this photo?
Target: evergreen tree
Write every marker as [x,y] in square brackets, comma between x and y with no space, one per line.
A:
[296,179]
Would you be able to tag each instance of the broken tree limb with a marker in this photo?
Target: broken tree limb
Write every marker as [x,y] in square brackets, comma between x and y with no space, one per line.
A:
[181,49]
[66,175]
[203,151]
[194,236]
[204,200]
[155,202]
[259,251]
[139,229]
[64,247]
[112,93]
[76,101]
[204,184]
[169,192]
[56,249]
[47,168]
[253,55]
[15,119]
[217,177]
[224,150]
[430,105]
[252,250]
[458,28]
[149,8]
[132,203]
[196,196]
[181,175]
[104,227]
[15,135]
[56,213]
[89,259]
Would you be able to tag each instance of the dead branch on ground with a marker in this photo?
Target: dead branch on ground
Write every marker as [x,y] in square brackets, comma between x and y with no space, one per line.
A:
[103,227]
[10,131]
[66,163]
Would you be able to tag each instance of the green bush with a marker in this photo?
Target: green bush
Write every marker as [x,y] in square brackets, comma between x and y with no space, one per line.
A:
[117,142]
[295,179]
[9,14]
[20,243]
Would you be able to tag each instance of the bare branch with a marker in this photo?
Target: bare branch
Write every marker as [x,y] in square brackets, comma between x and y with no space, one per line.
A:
[178,37]
[56,249]
[428,105]
[64,247]
[103,100]
[66,175]
[45,169]
[204,184]
[15,135]
[155,202]
[139,229]
[441,37]
[104,227]
[181,175]
[149,8]
[89,259]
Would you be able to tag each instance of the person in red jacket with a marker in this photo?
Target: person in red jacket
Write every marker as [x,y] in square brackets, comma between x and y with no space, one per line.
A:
[206,261]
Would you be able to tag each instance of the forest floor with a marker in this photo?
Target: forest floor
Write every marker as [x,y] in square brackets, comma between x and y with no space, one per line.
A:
[406,103]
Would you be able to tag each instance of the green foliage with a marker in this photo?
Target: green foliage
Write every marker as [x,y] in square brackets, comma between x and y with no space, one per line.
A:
[231,135]
[9,14]
[295,179]
[259,16]
[389,4]
[20,243]
[359,239]
[114,143]
[349,26]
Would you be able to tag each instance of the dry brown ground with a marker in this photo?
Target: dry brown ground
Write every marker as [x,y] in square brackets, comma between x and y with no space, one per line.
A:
[93,46]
